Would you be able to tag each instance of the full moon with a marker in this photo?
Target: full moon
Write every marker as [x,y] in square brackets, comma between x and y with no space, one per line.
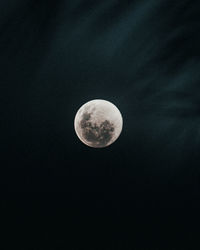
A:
[98,123]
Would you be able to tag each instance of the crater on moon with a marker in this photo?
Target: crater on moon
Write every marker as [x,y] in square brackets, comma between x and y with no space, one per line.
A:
[100,134]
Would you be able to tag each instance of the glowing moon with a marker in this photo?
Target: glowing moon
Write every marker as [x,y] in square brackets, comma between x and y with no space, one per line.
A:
[98,123]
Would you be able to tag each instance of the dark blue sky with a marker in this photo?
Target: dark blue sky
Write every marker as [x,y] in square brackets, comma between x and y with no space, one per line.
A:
[143,191]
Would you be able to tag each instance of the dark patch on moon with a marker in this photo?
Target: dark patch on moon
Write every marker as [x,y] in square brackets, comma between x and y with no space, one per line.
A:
[100,135]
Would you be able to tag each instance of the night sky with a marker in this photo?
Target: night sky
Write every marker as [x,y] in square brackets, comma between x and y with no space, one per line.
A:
[143,191]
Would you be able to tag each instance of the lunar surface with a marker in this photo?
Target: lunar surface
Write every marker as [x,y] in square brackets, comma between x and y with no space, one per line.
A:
[98,123]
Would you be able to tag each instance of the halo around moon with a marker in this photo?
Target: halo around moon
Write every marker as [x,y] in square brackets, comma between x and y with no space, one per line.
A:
[98,123]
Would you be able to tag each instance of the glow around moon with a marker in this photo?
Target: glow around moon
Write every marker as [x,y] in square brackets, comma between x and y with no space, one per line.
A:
[98,123]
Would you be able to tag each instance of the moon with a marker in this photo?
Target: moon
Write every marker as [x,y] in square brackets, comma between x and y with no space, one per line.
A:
[98,123]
